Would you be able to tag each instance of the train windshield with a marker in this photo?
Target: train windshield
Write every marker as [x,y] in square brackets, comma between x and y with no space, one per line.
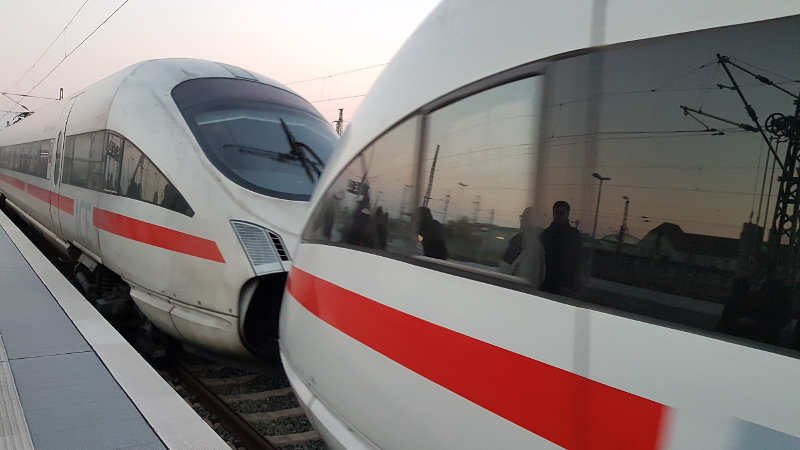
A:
[264,138]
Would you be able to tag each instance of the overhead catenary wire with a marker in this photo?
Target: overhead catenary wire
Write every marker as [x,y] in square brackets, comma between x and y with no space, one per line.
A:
[346,72]
[28,95]
[323,100]
[74,49]
[49,46]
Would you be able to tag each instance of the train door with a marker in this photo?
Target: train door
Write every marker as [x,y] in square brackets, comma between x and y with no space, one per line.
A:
[58,152]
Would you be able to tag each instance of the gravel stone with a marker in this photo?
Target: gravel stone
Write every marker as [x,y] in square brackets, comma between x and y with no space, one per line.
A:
[268,404]
[264,382]
[224,372]
[310,445]
[284,425]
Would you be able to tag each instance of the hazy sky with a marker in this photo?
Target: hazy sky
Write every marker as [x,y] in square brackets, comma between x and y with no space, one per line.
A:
[287,41]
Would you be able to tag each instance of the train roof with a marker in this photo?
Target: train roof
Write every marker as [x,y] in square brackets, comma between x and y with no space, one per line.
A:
[156,76]
[463,41]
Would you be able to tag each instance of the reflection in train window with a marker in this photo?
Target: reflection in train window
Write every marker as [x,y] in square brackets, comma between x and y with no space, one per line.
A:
[680,212]
[69,151]
[371,202]
[30,158]
[95,179]
[113,163]
[140,179]
[78,160]
[131,166]
[478,160]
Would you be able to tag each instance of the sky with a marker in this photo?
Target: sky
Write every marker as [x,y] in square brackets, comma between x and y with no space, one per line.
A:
[287,41]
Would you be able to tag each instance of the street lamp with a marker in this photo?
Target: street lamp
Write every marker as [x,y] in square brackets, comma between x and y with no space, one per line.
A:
[597,208]
[624,225]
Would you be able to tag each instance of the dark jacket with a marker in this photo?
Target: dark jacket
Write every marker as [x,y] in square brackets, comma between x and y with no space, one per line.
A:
[433,244]
[562,249]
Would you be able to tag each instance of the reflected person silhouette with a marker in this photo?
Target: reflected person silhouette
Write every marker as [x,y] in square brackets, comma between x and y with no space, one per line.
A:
[432,234]
[562,247]
[381,221]
[360,232]
[524,255]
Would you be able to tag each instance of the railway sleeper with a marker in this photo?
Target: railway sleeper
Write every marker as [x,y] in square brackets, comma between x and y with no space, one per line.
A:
[263,395]
[294,438]
[266,416]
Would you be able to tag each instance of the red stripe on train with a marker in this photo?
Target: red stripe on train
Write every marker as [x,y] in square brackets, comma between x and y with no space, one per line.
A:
[19,184]
[560,406]
[65,204]
[157,236]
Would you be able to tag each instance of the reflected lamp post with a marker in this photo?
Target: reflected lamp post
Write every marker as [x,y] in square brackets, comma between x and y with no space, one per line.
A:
[597,207]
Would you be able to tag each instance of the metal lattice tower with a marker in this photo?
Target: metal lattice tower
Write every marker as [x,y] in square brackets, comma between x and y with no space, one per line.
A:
[786,217]
[784,235]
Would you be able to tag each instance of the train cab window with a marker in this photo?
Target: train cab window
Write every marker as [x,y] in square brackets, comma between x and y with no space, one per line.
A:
[370,205]
[263,138]
[477,163]
[113,163]
[675,187]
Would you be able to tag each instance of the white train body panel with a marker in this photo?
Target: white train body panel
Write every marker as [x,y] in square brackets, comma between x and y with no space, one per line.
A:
[186,271]
[389,349]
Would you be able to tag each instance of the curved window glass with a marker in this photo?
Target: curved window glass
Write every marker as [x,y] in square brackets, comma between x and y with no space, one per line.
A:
[655,179]
[263,138]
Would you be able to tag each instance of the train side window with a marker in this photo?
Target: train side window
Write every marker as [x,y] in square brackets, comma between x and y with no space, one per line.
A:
[79,175]
[679,212]
[45,149]
[69,156]
[370,205]
[153,184]
[477,165]
[140,179]
[113,163]
[130,179]
[97,152]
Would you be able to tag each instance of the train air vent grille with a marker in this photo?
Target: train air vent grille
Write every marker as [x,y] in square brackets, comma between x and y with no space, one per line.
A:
[258,247]
[276,241]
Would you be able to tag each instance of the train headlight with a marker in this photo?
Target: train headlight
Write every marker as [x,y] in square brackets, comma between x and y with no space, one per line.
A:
[264,249]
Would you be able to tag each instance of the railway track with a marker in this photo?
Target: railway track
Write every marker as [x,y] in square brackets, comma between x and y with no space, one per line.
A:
[257,407]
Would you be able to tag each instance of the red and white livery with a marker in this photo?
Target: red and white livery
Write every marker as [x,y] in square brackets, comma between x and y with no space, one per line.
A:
[181,183]
[463,280]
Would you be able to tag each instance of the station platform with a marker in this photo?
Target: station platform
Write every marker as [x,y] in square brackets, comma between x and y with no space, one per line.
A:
[68,379]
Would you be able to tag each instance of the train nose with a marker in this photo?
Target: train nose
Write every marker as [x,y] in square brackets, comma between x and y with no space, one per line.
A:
[260,297]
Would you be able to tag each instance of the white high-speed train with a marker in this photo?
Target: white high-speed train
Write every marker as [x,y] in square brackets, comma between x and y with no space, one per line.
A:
[179,183]
[561,224]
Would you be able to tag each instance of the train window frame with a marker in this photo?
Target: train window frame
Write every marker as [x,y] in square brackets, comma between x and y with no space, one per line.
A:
[537,67]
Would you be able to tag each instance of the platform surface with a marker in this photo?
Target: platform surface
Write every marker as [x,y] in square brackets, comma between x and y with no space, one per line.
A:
[67,378]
